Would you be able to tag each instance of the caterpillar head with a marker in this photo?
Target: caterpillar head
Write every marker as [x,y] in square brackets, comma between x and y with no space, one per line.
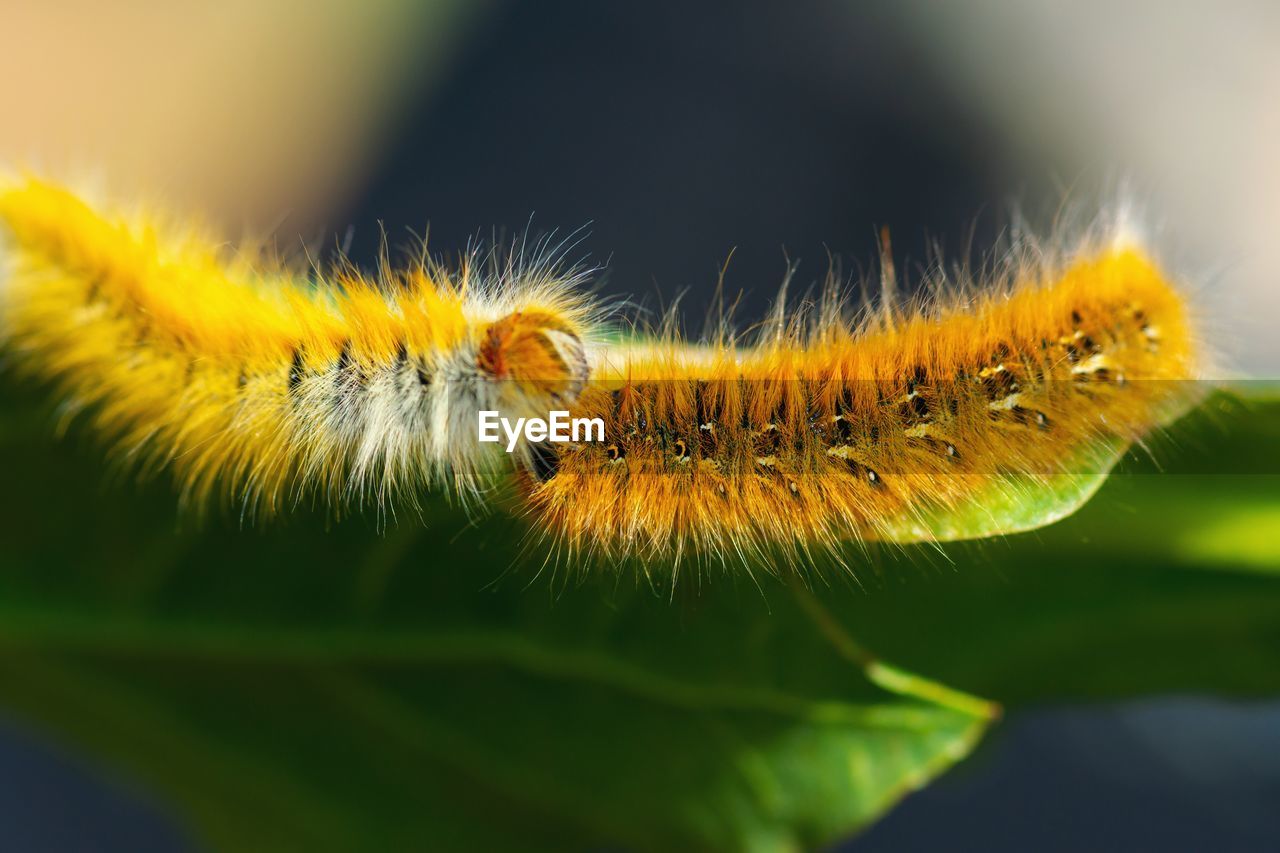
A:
[539,359]
[536,363]
[525,364]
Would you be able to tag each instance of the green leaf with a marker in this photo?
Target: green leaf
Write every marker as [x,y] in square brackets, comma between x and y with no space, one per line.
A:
[1167,581]
[334,688]
[328,686]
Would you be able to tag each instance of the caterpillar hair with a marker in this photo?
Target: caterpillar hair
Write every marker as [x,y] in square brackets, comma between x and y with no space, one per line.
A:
[949,418]
[938,418]
[232,371]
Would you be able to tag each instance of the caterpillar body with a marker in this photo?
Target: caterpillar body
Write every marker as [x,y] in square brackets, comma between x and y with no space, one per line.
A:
[822,430]
[235,373]
[892,430]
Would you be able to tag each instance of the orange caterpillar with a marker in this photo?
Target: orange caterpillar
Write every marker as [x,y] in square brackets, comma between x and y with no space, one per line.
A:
[978,414]
[973,417]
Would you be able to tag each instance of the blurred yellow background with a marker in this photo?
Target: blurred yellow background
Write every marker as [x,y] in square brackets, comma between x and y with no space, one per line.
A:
[244,110]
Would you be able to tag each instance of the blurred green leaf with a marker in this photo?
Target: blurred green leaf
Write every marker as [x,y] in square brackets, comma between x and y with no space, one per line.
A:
[338,688]
[328,686]
[1165,582]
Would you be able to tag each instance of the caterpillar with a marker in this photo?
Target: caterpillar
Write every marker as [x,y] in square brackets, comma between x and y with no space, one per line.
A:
[817,430]
[891,429]
[235,373]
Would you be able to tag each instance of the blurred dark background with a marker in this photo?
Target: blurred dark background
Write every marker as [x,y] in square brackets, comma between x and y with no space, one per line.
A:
[678,133]
[674,134]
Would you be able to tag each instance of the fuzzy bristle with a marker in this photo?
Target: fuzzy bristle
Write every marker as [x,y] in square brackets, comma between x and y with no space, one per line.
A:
[248,379]
[264,383]
[824,434]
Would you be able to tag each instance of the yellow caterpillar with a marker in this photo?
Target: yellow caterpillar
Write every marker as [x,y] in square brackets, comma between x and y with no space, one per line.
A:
[232,371]
[269,383]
